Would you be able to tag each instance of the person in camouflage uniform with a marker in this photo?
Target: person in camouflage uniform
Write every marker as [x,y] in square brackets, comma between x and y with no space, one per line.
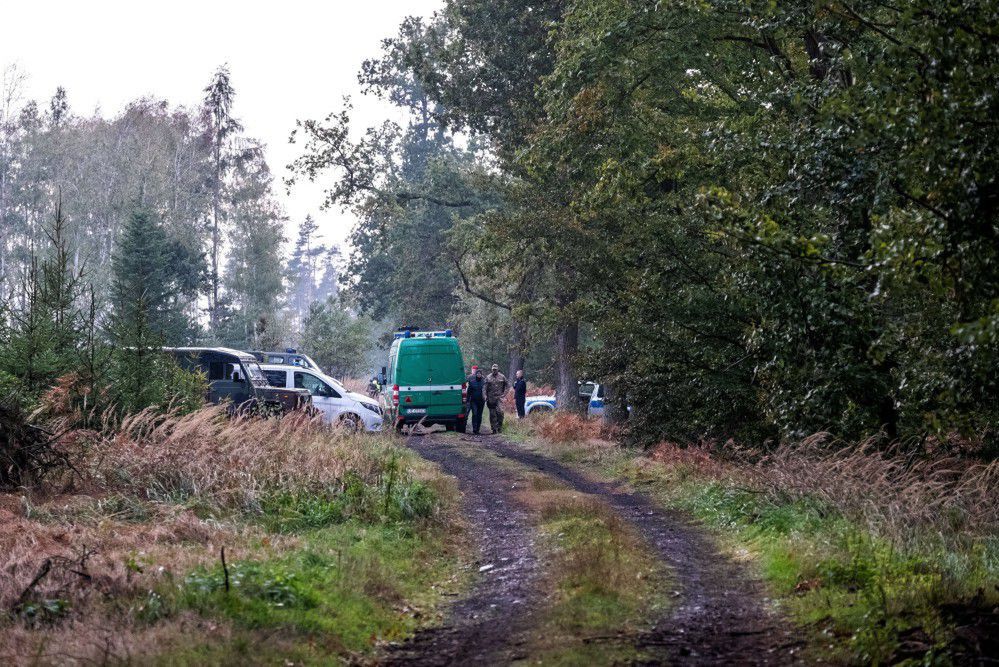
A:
[496,386]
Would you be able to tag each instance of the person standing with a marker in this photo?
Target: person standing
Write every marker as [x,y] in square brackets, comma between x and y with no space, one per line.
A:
[476,398]
[496,386]
[520,393]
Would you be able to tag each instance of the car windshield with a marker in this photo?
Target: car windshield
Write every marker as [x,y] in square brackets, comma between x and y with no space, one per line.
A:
[256,374]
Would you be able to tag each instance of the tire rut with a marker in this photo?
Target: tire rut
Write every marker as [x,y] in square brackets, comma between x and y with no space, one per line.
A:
[723,615]
[482,627]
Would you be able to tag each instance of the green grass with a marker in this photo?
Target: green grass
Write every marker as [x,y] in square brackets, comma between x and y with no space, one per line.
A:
[859,595]
[605,586]
[361,564]
[346,588]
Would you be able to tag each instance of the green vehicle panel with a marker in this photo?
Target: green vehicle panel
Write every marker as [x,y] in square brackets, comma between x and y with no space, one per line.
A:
[426,380]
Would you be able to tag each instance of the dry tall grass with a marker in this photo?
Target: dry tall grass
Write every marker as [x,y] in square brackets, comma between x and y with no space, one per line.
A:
[895,494]
[233,462]
[151,501]
[564,427]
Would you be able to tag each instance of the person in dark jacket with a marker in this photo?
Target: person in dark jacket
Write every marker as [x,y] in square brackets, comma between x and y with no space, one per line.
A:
[520,393]
[476,399]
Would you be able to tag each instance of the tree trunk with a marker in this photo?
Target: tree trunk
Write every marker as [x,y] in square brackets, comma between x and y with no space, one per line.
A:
[567,382]
[518,342]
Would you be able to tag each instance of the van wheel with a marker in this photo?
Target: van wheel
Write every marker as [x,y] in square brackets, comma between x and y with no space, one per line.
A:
[349,423]
[462,425]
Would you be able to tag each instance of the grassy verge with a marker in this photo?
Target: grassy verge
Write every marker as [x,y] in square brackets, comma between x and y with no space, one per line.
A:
[333,543]
[885,560]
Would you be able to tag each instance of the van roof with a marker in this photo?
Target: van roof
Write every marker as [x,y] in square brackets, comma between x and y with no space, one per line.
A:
[242,356]
[426,341]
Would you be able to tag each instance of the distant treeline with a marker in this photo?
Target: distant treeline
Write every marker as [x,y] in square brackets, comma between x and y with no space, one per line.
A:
[158,226]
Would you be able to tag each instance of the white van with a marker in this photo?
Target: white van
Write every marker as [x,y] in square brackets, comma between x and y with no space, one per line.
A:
[339,406]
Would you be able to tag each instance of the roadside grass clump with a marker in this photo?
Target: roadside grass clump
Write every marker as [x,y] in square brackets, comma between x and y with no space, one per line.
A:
[338,537]
[603,581]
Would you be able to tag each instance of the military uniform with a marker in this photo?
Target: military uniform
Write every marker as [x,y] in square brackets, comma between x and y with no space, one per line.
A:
[496,386]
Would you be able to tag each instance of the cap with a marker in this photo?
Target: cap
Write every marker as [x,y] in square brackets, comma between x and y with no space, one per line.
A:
[495,367]
[475,368]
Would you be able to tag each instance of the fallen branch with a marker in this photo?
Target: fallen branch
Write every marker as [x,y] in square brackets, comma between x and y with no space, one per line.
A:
[42,573]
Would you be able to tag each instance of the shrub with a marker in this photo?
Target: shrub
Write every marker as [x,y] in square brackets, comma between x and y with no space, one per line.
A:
[567,427]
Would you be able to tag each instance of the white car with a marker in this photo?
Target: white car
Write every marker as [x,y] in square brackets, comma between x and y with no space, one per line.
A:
[590,394]
[339,406]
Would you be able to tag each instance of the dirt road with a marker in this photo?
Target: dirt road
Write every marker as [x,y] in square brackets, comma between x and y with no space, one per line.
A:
[482,627]
[722,617]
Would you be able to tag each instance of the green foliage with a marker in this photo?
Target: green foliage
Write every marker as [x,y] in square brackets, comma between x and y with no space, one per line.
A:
[778,218]
[151,274]
[335,338]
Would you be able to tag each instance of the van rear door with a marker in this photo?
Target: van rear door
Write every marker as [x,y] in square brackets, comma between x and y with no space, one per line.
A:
[448,375]
[413,377]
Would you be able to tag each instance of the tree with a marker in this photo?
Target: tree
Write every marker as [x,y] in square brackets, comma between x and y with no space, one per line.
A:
[302,269]
[254,272]
[221,126]
[42,343]
[337,340]
[149,280]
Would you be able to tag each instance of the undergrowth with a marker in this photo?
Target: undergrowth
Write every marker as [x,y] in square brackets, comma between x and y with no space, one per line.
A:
[887,556]
[339,541]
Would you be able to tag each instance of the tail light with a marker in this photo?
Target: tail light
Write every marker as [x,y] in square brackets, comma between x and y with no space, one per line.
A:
[395,395]
[464,392]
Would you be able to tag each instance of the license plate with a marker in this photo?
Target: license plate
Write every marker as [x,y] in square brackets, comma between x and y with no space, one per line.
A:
[417,411]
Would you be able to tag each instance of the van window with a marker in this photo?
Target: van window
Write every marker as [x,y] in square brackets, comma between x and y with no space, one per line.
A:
[315,386]
[216,370]
[276,378]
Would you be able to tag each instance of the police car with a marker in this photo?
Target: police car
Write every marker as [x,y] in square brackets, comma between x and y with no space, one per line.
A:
[590,393]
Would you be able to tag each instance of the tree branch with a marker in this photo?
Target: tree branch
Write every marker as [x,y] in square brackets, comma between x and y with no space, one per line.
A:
[478,295]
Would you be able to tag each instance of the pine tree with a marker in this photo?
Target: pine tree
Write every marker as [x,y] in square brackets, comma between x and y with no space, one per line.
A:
[149,278]
[329,284]
[254,269]
[46,330]
[221,126]
[302,268]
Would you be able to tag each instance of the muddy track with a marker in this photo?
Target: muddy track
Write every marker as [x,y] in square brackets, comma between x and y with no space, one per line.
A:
[722,615]
[481,627]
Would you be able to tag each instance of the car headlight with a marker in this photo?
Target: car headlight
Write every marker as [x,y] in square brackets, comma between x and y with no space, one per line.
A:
[372,407]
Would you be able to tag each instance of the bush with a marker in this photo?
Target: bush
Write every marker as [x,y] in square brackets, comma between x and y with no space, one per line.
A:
[567,427]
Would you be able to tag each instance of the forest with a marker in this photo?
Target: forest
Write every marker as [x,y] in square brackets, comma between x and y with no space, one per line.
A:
[769,231]
[158,226]
[748,220]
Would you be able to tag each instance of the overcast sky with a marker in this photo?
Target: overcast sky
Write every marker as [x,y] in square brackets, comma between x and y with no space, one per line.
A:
[289,60]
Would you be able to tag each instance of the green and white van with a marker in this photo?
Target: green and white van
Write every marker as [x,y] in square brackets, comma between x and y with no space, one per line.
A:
[426,379]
